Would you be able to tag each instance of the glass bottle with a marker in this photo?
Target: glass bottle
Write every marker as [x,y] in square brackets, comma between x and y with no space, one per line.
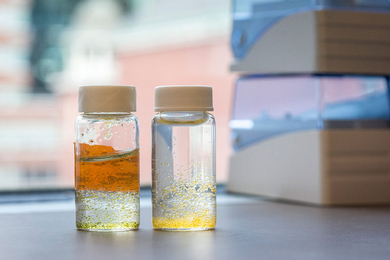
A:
[183,159]
[107,159]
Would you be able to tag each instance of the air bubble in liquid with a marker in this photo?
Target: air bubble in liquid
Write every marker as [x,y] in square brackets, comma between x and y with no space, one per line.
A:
[107,135]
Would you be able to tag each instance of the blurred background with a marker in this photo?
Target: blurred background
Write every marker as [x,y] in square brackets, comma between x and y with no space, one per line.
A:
[48,48]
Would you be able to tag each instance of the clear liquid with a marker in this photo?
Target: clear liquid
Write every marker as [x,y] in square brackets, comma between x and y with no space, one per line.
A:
[104,210]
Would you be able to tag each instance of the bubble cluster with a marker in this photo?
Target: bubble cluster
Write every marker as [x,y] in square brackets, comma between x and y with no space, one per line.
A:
[101,210]
[185,203]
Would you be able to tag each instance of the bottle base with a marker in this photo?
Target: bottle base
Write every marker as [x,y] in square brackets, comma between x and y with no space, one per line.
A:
[183,229]
[106,230]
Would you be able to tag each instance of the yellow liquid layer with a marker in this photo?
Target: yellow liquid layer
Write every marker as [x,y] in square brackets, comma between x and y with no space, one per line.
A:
[203,220]
[185,204]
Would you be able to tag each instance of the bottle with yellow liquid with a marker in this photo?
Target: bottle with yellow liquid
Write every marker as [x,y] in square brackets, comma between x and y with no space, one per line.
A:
[107,159]
[183,159]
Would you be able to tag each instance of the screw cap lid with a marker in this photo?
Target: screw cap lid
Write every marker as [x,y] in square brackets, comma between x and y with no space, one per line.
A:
[183,98]
[107,98]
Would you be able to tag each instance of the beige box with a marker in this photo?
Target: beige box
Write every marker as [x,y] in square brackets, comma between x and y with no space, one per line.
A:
[341,42]
[325,167]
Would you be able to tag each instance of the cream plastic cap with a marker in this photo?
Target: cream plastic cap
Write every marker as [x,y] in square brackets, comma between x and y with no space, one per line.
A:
[107,98]
[183,98]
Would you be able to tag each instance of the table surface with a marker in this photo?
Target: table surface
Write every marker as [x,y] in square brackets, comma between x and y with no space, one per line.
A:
[255,229]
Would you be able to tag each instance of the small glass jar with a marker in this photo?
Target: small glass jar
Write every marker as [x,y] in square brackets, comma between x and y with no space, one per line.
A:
[183,159]
[107,159]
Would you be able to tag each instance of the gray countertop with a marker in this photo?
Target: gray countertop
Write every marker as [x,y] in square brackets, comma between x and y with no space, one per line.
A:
[255,230]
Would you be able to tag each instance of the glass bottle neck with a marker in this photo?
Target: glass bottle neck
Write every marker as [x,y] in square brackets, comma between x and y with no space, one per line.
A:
[107,113]
[182,117]
[183,113]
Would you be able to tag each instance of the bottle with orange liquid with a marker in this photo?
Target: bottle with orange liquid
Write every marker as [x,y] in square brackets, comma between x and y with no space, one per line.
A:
[183,159]
[107,159]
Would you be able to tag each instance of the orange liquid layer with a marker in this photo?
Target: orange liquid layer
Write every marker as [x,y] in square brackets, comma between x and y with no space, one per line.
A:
[101,168]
